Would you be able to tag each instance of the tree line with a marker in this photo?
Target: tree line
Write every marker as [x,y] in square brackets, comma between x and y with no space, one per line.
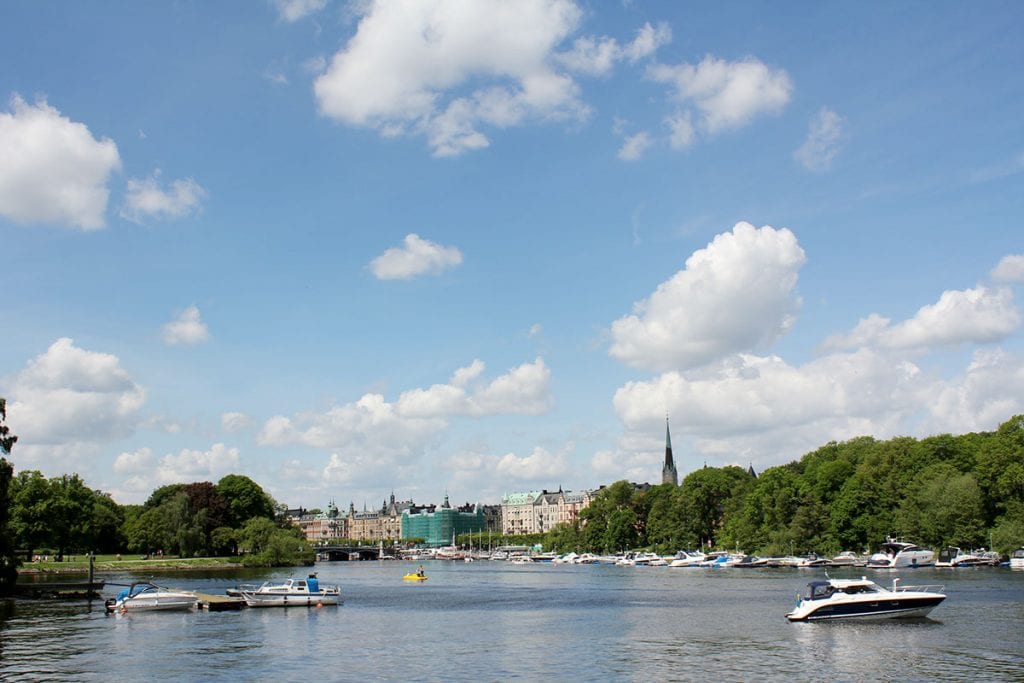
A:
[965,490]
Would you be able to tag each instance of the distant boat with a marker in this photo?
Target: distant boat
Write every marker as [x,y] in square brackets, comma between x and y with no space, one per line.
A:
[848,558]
[1017,558]
[293,593]
[143,596]
[687,558]
[895,554]
[953,556]
[414,577]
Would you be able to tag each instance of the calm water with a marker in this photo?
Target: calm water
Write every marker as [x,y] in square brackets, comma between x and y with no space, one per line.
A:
[494,621]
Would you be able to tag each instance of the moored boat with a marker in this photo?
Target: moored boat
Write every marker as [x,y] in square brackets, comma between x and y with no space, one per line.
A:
[863,599]
[687,558]
[293,593]
[953,557]
[895,554]
[1017,558]
[144,596]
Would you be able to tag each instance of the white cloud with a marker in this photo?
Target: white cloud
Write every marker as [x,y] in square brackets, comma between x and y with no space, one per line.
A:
[68,400]
[235,422]
[681,131]
[597,56]
[736,294]
[188,466]
[294,10]
[1009,269]
[824,140]
[980,315]
[52,169]
[634,146]
[147,199]
[539,466]
[728,94]
[371,434]
[417,256]
[137,462]
[445,69]
[188,329]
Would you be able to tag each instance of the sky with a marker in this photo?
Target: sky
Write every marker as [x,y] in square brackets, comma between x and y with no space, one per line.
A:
[434,247]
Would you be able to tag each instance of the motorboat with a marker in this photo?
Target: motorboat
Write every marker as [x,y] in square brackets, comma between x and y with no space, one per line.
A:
[587,558]
[953,556]
[847,558]
[565,558]
[895,554]
[143,596]
[687,558]
[864,599]
[293,593]
[812,560]
[1017,558]
[647,560]
[749,561]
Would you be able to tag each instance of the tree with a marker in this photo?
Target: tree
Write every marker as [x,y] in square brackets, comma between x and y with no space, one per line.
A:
[70,513]
[8,556]
[107,523]
[30,495]
[245,499]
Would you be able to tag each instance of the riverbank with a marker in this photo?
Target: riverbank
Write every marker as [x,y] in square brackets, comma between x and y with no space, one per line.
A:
[80,565]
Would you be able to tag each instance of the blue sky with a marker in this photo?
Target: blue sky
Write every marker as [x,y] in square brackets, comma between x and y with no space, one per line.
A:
[355,248]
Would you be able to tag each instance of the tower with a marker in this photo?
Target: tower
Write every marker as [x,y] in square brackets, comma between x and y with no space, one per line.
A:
[668,470]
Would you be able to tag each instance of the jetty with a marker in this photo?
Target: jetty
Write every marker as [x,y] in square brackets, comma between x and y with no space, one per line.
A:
[219,603]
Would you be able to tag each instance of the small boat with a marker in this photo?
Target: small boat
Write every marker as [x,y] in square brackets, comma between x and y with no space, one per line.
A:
[293,592]
[1017,558]
[895,554]
[847,558]
[953,556]
[687,558]
[863,599]
[143,596]
[414,577]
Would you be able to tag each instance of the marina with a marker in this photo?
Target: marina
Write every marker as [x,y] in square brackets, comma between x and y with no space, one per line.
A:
[478,619]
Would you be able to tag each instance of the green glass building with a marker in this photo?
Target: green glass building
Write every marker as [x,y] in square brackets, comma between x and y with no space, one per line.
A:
[438,526]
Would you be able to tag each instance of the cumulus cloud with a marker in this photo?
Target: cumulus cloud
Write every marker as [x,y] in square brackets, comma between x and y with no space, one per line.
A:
[52,169]
[187,329]
[448,69]
[539,466]
[416,256]
[736,294]
[188,465]
[824,140]
[235,422]
[1010,269]
[147,199]
[727,94]
[371,433]
[69,400]
[294,10]
[136,462]
[979,315]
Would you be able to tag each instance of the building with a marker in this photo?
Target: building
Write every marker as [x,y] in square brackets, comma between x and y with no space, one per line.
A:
[439,526]
[320,527]
[384,524]
[668,470]
[537,512]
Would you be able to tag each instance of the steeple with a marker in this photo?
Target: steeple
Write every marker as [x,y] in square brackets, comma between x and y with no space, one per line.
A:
[668,470]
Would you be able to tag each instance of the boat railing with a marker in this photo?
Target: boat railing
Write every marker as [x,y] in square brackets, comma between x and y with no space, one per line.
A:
[927,588]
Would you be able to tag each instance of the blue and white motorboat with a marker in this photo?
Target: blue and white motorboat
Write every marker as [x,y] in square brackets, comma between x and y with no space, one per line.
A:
[864,599]
[293,593]
[144,596]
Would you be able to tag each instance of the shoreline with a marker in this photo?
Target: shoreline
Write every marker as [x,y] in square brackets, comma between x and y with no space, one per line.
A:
[130,565]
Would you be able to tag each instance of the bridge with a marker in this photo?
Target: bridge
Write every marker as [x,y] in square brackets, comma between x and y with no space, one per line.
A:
[347,553]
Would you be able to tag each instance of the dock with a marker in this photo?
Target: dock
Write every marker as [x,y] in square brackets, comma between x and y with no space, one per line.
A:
[219,603]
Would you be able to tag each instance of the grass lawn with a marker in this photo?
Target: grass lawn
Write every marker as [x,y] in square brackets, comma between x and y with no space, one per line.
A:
[105,563]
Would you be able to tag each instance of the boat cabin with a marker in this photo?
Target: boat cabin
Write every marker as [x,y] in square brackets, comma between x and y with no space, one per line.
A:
[822,590]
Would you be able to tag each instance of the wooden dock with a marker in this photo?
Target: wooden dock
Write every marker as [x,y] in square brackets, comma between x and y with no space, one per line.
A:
[219,603]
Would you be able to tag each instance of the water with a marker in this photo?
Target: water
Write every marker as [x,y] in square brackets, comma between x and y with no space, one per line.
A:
[496,621]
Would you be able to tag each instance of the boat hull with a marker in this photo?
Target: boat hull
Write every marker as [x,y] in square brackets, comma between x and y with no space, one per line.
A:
[291,600]
[886,608]
[156,604]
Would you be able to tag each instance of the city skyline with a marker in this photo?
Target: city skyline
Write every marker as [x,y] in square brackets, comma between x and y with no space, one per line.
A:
[485,247]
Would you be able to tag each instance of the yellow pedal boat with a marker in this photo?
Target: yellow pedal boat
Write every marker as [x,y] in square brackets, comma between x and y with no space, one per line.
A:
[414,577]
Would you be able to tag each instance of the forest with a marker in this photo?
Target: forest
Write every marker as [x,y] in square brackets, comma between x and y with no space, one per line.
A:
[965,490]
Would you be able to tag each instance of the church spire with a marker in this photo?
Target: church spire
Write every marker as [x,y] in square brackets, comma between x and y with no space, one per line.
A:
[668,470]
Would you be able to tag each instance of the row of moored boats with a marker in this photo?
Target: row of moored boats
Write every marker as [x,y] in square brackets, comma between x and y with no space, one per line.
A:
[144,596]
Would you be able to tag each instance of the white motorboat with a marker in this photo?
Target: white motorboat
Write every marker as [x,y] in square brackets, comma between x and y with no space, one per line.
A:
[847,558]
[895,554]
[293,593]
[953,556]
[647,560]
[687,558]
[1017,559]
[864,599]
[143,596]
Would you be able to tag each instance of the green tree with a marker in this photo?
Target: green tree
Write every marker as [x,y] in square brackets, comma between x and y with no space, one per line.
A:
[70,511]
[107,524]
[30,495]
[8,555]
[245,499]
